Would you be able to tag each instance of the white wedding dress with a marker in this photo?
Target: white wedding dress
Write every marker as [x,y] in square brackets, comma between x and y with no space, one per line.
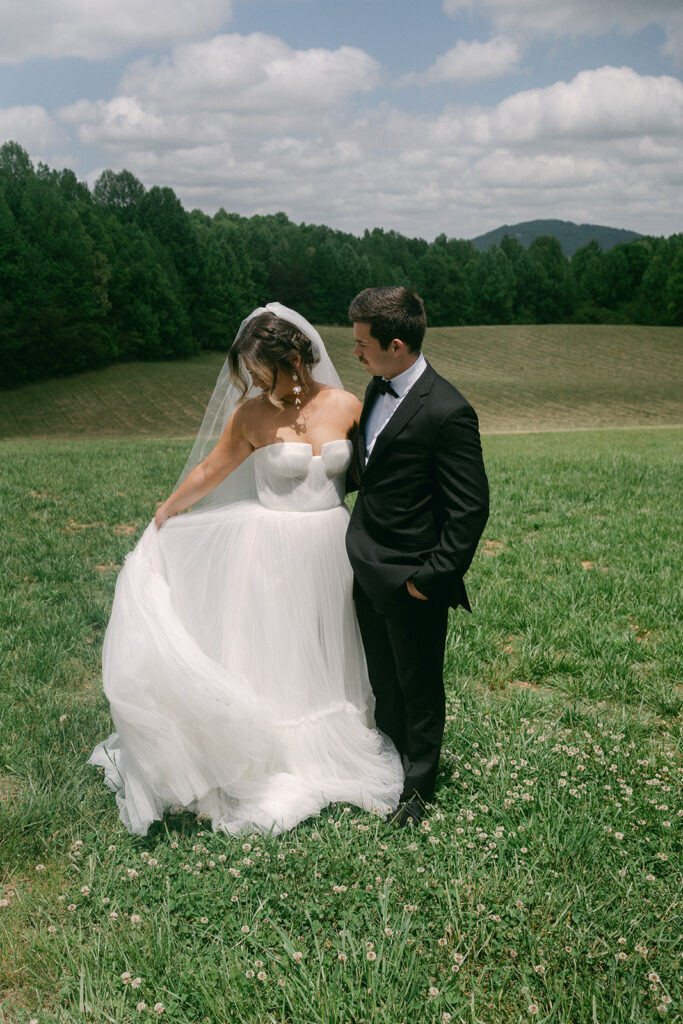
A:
[233,661]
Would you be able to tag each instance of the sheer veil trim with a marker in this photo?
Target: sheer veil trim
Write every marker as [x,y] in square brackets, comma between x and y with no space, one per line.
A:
[240,485]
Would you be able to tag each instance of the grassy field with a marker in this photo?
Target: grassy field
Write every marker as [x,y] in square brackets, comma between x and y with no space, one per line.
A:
[518,379]
[545,885]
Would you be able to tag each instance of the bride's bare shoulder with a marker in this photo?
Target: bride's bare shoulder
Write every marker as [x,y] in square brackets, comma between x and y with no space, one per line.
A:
[341,399]
[249,412]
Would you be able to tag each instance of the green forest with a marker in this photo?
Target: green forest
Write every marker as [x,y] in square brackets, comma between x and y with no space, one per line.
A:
[90,277]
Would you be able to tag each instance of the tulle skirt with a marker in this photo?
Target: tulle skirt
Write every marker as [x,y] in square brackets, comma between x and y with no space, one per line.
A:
[236,676]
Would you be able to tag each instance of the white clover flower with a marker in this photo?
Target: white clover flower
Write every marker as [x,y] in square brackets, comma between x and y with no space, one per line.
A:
[433,991]
[297,955]
[135,919]
[142,1005]
[40,867]
[159,1008]
[371,955]
[261,975]
[126,977]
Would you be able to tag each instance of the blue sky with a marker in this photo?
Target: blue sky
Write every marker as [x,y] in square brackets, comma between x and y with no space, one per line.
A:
[437,116]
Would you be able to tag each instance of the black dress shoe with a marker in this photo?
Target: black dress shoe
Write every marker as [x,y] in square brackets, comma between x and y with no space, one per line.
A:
[408,812]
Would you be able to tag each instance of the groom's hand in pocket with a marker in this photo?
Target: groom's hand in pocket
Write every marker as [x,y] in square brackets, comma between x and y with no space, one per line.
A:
[414,592]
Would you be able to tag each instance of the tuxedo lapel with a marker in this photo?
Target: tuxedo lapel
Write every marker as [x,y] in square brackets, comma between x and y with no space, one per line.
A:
[405,412]
[368,402]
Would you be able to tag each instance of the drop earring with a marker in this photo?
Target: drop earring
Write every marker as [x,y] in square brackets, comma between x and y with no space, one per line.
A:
[296,389]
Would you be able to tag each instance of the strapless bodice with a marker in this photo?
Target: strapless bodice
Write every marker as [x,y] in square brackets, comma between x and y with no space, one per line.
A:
[290,477]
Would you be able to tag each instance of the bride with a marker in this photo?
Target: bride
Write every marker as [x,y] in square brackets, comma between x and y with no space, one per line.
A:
[233,661]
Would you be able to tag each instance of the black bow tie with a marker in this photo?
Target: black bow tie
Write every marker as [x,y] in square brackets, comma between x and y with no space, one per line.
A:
[384,387]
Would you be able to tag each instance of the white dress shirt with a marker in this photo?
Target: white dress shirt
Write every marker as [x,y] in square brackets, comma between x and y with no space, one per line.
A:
[386,405]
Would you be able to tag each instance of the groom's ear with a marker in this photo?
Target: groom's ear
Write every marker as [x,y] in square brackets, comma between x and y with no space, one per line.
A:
[397,346]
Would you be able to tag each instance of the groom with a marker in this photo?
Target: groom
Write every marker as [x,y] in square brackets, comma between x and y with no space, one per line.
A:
[421,508]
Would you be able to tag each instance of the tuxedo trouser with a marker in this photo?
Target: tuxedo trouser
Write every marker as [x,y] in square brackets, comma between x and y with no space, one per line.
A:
[404,646]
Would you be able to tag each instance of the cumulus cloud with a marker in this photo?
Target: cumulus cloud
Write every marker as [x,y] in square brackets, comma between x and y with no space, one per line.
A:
[533,18]
[31,126]
[471,62]
[101,28]
[251,74]
[605,147]
[604,104]
[230,87]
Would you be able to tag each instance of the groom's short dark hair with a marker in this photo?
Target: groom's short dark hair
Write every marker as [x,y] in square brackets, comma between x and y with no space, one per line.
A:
[393,312]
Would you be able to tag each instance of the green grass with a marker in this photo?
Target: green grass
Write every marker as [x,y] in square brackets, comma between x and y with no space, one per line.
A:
[517,378]
[548,873]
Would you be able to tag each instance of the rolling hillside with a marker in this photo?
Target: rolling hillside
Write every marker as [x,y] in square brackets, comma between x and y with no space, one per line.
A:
[518,378]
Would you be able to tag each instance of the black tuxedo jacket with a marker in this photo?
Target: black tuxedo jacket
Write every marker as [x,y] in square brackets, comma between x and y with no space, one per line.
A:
[422,500]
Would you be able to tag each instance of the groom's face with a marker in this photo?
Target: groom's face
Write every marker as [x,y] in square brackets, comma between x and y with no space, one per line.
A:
[376,360]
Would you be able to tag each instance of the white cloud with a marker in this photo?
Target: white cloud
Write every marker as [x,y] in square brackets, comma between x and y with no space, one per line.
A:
[526,19]
[32,127]
[229,88]
[471,62]
[603,104]
[250,74]
[101,28]
[605,147]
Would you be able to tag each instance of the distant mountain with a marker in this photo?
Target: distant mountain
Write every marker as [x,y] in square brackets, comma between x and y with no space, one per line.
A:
[570,236]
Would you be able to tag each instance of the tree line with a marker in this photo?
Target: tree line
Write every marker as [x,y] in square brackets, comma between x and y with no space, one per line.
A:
[120,272]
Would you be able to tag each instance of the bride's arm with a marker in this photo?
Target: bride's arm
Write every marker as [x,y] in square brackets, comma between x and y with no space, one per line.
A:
[230,452]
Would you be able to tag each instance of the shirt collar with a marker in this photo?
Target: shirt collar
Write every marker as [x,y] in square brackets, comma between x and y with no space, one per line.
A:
[403,382]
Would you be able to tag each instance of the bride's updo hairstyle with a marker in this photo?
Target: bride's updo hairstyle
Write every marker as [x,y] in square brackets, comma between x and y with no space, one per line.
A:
[267,345]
